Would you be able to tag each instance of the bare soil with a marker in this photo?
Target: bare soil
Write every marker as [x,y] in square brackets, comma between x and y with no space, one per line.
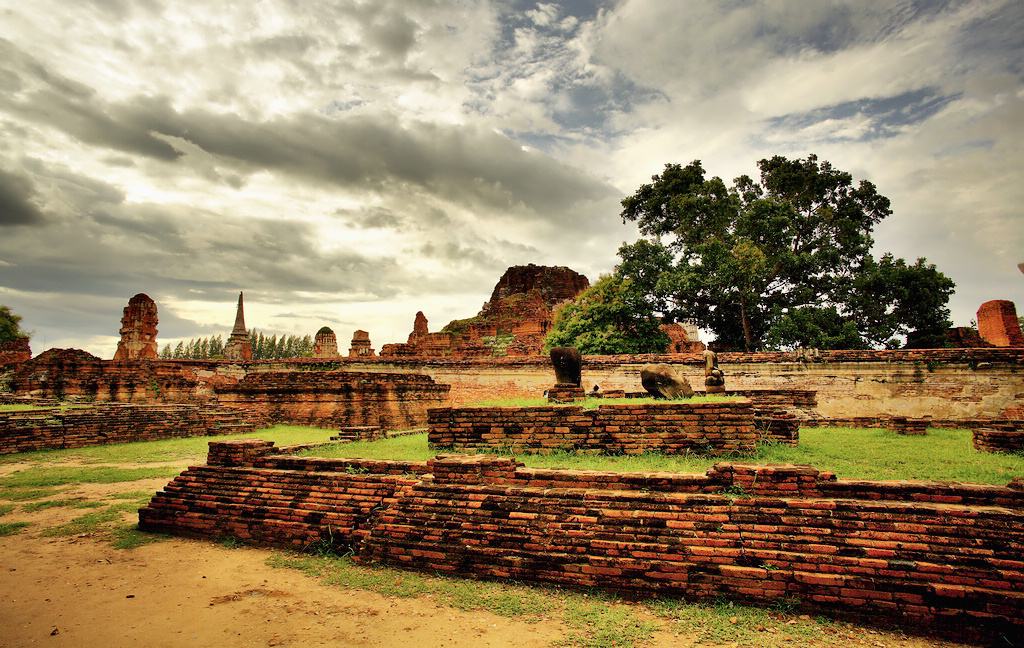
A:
[78,592]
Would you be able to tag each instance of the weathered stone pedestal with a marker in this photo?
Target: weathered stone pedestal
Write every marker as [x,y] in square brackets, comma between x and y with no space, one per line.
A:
[565,393]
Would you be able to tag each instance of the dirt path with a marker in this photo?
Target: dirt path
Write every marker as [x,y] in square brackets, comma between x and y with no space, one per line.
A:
[189,593]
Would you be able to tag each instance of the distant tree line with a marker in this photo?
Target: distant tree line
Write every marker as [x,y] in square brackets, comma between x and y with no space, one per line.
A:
[263,347]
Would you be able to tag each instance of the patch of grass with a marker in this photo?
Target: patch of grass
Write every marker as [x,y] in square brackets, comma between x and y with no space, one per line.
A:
[502,599]
[10,528]
[22,408]
[167,450]
[27,494]
[63,475]
[599,623]
[69,503]
[5,509]
[139,495]
[412,447]
[94,522]
[942,455]
[723,621]
[132,537]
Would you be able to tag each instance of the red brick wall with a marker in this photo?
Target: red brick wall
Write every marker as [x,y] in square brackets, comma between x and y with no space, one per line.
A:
[672,428]
[918,552]
[336,398]
[109,423]
[998,325]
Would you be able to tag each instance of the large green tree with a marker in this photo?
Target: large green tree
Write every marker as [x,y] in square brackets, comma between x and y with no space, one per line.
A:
[610,317]
[10,325]
[777,262]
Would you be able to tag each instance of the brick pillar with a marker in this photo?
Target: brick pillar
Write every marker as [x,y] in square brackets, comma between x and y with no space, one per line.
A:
[473,469]
[772,481]
[240,452]
[998,325]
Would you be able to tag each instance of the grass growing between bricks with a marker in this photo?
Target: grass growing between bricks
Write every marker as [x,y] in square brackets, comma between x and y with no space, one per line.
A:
[941,455]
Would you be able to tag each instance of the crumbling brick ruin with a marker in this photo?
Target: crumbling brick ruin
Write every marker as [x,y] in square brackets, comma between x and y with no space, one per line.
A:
[998,324]
[336,398]
[238,346]
[78,375]
[513,322]
[138,330]
[682,338]
[941,555]
[671,428]
[54,428]
[14,352]
[361,347]
[325,344]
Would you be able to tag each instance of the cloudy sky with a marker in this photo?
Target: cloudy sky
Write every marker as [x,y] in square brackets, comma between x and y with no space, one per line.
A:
[349,163]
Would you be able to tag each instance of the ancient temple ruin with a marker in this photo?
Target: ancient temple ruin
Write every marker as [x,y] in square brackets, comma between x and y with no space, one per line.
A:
[325,344]
[361,347]
[238,346]
[138,330]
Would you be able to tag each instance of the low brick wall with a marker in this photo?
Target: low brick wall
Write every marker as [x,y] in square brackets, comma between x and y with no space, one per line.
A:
[672,428]
[925,554]
[336,398]
[114,423]
[999,440]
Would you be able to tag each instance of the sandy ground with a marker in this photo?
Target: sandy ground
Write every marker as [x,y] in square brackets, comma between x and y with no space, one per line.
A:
[79,592]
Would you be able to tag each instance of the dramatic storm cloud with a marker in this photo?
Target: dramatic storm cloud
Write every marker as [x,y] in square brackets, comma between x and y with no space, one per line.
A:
[350,163]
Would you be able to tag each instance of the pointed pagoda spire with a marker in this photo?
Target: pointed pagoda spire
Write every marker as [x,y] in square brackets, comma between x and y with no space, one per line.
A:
[238,346]
[239,319]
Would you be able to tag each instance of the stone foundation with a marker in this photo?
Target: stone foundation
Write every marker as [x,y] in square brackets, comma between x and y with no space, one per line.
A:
[671,428]
[52,429]
[336,398]
[1006,439]
[928,555]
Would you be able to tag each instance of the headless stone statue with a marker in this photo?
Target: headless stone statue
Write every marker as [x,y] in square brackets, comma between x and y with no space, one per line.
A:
[662,381]
[714,377]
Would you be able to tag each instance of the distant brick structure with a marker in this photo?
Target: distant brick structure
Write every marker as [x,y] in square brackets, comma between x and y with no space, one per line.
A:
[14,352]
[238,346]
[682,338]
[77,375]
[336,398]
[998,324]
[361,347]
[513,322]
[325,345]
[671,428]
[49,429]
[138,330]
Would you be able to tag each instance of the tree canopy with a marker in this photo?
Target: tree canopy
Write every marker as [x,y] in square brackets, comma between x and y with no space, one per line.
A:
[610,317]
[778,262]
[10,325]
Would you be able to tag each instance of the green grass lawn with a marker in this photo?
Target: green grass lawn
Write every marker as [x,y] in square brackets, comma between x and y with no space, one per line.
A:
[944,455]
[167,450]
[21,408]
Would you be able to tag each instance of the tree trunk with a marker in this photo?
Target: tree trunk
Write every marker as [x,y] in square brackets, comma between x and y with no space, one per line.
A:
[747,337]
